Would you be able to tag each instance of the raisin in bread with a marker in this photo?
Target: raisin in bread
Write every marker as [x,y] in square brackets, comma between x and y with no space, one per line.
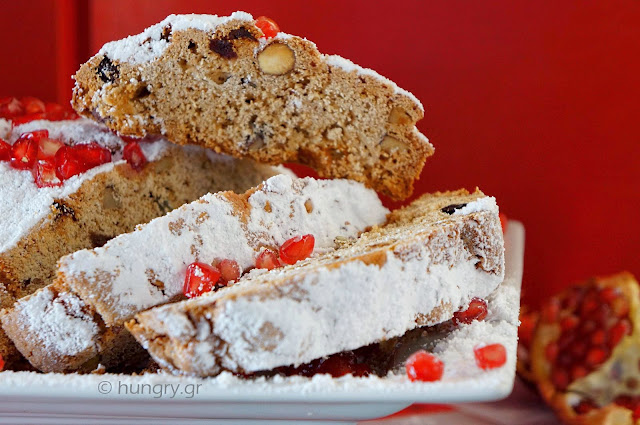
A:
[38,225]
[429,259]
[219,82]
[77,321]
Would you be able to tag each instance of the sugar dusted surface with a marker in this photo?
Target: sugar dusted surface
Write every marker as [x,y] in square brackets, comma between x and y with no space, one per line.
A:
[210,229]
[487,203]
[459,380]
[149,45]
[48,316]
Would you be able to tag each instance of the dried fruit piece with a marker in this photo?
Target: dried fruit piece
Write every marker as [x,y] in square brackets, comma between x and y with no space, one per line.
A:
[268,26]
[423,366]
[133,154]
[297,249]
[267,259]
[200,278]
[490,356]
[45,174]
[477,310]
[229,270]
[276,59]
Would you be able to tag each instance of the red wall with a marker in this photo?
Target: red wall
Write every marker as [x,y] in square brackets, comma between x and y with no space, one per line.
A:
[535,102]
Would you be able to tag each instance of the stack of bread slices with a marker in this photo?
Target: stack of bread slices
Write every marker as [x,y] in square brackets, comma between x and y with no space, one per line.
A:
[189,243]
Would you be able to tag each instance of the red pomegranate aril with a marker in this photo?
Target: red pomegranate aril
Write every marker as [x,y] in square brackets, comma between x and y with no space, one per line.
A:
[595,356]
[477,310]
[133,154]
[32,105]
[297,249]
[47,148]
[490,356]
[619,331]
[28,118]
[585,406]
[35,135]
[53,107]
[200,278]
[67,164]
[423,366]
[5,151]
[268,26]
[609,294]
[569,323]
[45,174]
[599,337]
[267,259]
[578,372]
[560,379]
[24,153]
[10,107]
[229,270]
[92,154]
[551,310]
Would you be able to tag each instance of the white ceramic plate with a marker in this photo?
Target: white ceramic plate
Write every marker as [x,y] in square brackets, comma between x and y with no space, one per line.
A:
[27,398]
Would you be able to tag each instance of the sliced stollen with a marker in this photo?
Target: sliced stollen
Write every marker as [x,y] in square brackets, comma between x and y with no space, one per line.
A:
[219,82]
[430,259]
[75,323]
[38,225]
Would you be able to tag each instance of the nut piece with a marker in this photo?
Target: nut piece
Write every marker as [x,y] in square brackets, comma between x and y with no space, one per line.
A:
[390,144]
[276,59]
[399,116]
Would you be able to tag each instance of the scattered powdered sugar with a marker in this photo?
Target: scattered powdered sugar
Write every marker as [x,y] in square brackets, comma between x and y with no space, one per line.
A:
[211,229]
[150,44]
[48,317]
[348,66]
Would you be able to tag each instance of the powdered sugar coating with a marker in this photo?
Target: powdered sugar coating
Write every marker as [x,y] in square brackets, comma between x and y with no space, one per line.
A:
[149,45]
[487,203]
[120,278]
[49,316]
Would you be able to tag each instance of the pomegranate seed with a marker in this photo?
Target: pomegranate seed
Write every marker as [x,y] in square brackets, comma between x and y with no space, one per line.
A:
[45,174]
[92,154]
[423,366]
[68,164]
[503,221]
[619,331]
[585,406]
[267,259]
[578,372]
[35,135]
[297,249]
[477,310]
[47,148]
[5,151]
[599,337]
[490,356]
[133,154]
[28,118]
[10,107]
[551,351]
[24,153]
[200,278]
[268,26]
[569,323]
[336,366]
[32,105]
[609,294]
[229,270]
[595,356]
[560,379]
[53,107]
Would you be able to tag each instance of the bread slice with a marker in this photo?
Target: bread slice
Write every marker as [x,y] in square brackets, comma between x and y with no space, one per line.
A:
[219,82]
[67,326]
[40,225]
[430,259]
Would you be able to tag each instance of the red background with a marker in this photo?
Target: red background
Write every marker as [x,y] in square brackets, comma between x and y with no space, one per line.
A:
[538,103]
